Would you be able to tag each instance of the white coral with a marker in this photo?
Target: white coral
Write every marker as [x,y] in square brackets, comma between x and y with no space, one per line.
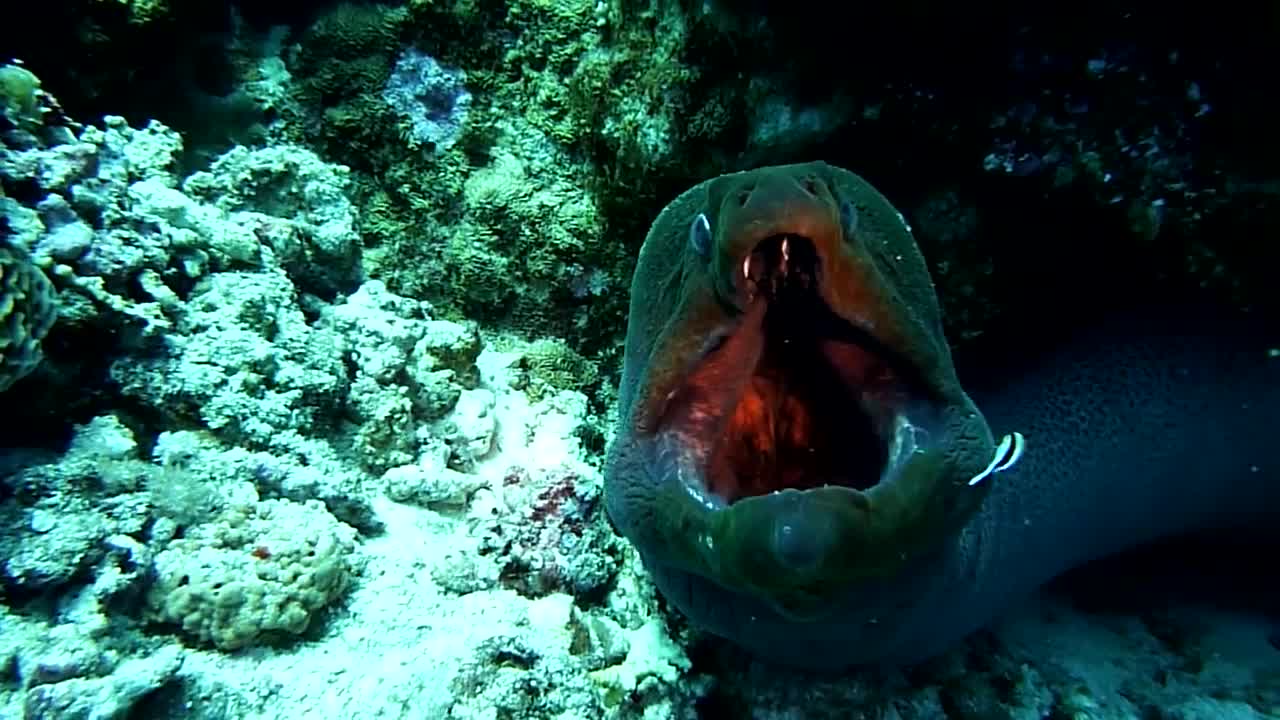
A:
[258,571]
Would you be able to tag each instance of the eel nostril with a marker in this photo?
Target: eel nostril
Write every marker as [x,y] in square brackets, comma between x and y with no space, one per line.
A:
[810,186]
[743,197]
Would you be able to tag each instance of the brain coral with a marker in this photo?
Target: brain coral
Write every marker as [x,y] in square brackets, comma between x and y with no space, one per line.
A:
[259,572]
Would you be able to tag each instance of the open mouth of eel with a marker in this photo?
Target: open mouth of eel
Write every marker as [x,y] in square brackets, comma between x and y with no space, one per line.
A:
[793,395]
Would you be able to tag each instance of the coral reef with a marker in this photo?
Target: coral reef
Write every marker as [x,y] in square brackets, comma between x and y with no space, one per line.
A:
[281,448]
[515,178]
[316,427]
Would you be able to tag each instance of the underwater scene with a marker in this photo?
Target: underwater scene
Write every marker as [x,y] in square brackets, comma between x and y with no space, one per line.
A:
[639,360]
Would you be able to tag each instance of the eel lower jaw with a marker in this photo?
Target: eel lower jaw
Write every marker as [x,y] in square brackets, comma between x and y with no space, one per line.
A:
[715,487]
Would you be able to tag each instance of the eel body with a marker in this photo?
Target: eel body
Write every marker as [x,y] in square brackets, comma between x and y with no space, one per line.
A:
[803,473]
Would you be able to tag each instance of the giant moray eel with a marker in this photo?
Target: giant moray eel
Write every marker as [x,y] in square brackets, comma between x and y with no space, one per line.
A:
[803,473]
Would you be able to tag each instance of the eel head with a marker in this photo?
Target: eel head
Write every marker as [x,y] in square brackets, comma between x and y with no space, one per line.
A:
[790,423]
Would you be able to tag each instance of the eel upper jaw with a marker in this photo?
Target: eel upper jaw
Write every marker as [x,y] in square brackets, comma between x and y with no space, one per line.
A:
[793,394]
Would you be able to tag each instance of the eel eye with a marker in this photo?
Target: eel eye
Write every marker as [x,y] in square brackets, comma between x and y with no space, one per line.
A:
[700,235]
[848,219]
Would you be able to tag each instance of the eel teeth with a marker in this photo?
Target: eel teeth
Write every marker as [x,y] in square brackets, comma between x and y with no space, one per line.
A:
[1008,452]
